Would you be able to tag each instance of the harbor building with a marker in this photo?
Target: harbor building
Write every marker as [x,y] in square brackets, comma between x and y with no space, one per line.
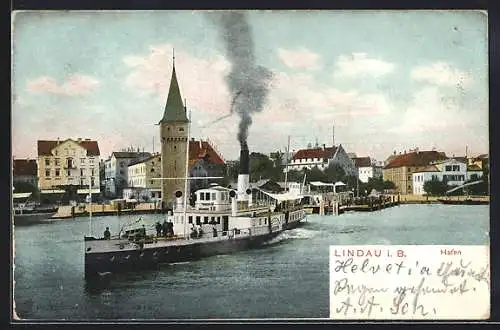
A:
[367,168]
[116,170]
[401,168]
[204,160]
[322,157]
[455,171]
[68,166]
[24,172]
[173,137]
[141,179]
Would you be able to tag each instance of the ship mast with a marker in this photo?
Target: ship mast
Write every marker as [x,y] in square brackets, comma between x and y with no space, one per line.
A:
[286,162]
[90,204]
[187,174]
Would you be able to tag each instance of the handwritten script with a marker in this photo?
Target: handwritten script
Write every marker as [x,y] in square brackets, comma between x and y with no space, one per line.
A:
[409,282]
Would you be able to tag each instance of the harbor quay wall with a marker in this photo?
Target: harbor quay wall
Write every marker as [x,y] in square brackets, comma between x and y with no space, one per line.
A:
[68,211]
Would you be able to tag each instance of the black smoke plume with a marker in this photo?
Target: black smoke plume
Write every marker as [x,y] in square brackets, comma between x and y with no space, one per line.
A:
[247,81]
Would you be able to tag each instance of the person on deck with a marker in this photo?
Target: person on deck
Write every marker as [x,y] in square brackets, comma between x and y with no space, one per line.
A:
[107,234]
[158,229]
[200,231]
[164,228]
[170,228]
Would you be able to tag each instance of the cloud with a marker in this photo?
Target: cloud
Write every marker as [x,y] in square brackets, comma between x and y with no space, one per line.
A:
[358,64]
[201,81]
[430,111]
[301,58]
[442,74]
[73,85]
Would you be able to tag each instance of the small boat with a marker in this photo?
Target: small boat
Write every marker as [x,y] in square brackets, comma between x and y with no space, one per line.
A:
[467,201]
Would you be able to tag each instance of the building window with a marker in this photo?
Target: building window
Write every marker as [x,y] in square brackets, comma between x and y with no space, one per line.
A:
[69,173]
[213,196]
[447,168]
[205,220]
[152,170]
[81,172]
[122,164]
[207,196]
[202,197]
[57,161]
[456,167]
[190,219]
[82,160]
[47,172]
[218,220]
[47,162]
[91,160]
[198,220]
[181,129]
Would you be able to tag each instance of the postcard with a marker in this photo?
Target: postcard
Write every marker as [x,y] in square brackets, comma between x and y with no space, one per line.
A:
[250,165]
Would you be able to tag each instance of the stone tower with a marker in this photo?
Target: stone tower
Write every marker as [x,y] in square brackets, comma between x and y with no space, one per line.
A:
[174,142]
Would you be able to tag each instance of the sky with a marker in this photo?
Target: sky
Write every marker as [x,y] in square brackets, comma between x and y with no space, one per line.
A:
[374,81]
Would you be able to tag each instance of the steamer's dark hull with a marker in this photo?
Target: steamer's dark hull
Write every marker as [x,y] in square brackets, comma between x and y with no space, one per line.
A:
[150,256]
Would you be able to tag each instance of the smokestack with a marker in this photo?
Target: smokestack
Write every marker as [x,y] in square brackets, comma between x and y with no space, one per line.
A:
[243,176]
[244,159]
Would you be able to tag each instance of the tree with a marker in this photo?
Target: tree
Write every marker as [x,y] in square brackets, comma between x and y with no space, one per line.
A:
[435,187]
[261,167]
[315,174]
[295,175]
[334,173]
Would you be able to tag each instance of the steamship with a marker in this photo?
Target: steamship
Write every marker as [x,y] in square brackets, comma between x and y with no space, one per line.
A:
[231,220]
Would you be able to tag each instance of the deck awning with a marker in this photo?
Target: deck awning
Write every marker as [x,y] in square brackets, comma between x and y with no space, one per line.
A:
[86,191]
[52,191]
[21,195]
[282,197]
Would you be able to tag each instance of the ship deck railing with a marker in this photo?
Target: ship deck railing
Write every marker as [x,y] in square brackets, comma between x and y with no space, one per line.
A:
[206,237]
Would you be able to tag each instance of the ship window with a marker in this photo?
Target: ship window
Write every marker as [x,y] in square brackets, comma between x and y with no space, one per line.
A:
[202,197]
[213,196]
[218,220]
[198,220]
[205,220]
[190,219]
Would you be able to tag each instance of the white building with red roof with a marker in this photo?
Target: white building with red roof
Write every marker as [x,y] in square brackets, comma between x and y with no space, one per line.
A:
[454,170]
[322,157]
[63,163]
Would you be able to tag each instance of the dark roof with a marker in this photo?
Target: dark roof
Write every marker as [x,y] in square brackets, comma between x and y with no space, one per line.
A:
[315,153]
[204,149]
[45,146]
[24,167]
[416,158]
[142,159]
[174,108]
[362,161]
[130,154]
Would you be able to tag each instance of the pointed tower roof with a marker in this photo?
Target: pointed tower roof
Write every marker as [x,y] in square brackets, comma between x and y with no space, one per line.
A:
[174,109]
